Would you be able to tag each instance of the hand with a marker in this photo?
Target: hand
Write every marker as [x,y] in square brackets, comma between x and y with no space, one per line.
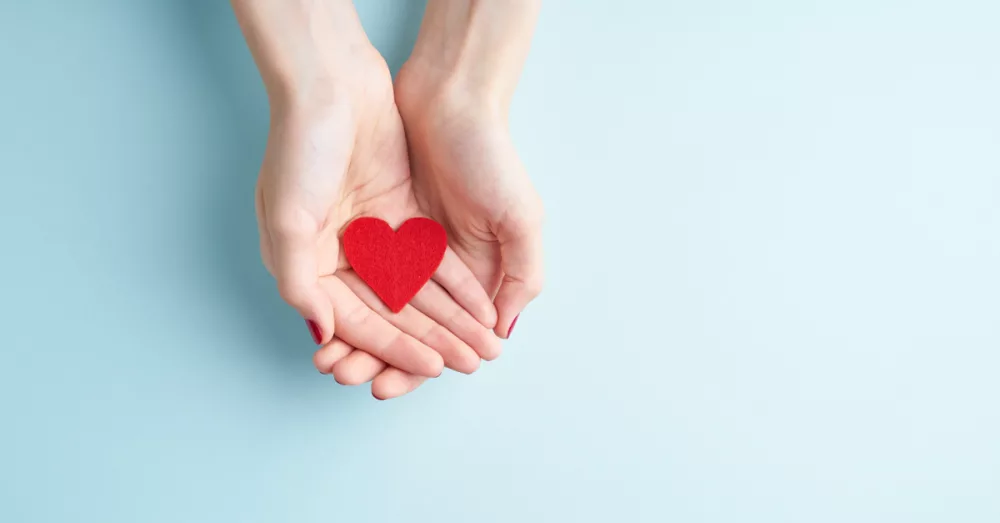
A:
[453,96]
[336,151]
[467,175]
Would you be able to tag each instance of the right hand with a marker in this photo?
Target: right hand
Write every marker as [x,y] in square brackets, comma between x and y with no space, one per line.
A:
[468,176]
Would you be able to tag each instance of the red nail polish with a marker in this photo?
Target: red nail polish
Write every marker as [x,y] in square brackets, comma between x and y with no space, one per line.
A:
[314,330]
[511,328]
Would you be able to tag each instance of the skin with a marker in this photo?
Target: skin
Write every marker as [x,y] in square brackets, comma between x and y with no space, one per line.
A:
[338,149]
[453,95]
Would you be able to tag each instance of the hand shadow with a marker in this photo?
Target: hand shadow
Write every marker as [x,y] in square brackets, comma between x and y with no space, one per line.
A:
[234,89]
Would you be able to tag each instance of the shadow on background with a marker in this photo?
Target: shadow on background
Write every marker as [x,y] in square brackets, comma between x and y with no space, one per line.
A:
[232,84]
[392,27]
[229,239]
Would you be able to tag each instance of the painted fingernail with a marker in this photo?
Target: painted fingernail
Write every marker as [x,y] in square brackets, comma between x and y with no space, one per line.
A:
[314,330]
[511,328]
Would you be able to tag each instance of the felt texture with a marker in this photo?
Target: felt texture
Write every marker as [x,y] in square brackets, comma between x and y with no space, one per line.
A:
[395,264]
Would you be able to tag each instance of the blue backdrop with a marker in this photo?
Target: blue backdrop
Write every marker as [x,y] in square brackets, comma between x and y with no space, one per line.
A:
[773,294]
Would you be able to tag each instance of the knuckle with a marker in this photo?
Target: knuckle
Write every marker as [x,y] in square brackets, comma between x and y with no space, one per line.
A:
[456,316]
[433,336]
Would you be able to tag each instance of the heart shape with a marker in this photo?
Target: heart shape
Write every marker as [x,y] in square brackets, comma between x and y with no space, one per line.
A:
[395,264]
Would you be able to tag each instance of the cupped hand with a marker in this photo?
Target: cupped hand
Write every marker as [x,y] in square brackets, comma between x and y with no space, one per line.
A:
[327,163]
[467,175]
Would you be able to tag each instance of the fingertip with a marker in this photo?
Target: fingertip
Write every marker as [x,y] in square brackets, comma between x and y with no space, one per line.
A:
[511,299]
[487,315]
[315,331]
[436,368]
[482,309]
[506,326]
[393,383]
[343,379]
[314,307]
[431,364]
[426,365]
[512,324]
[502,330]
[327,356]
[462,285]
[359,367]
[485,343]
[379,391]
[491,348]
[320,364]
[468,365]
[345,376]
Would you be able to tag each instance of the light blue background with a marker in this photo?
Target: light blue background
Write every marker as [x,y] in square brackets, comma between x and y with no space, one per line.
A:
[773,252]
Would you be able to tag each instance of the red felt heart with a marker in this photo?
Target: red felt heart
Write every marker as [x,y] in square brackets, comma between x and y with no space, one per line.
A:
[395,264]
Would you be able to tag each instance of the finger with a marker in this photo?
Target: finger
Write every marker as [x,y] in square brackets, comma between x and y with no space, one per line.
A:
[331,353]
[393,383]
[457,355]
[361,327]
[439,306]
[293,252]
[465,289]
[357,368]
[523,267]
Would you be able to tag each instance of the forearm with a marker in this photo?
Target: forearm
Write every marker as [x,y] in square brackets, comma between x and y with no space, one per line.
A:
[477,45]
[301,47]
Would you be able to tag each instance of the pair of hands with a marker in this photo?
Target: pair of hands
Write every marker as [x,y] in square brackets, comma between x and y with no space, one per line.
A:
[356,144]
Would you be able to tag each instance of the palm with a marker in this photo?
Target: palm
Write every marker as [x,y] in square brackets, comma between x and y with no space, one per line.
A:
[356,164]
[455,189]
[467,175]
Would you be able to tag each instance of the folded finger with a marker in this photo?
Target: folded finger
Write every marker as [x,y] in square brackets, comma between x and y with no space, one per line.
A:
[438,305]
[329,354]
[457,354]
[358,325]
[393,383]
[463,286]
[356,368]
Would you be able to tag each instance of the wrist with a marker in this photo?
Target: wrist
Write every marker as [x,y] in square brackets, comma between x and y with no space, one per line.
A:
[473,49]
[307,52]
[435,80]
[425,93]
[335,79]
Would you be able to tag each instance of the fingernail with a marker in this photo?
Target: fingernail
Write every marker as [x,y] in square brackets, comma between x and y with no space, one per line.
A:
[314,330]
[511,328]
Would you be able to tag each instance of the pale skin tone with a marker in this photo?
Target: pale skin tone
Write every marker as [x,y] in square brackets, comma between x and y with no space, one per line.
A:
[345,142]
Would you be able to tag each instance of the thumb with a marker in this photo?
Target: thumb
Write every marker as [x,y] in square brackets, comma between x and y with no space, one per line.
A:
[522,263]
[293,237]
